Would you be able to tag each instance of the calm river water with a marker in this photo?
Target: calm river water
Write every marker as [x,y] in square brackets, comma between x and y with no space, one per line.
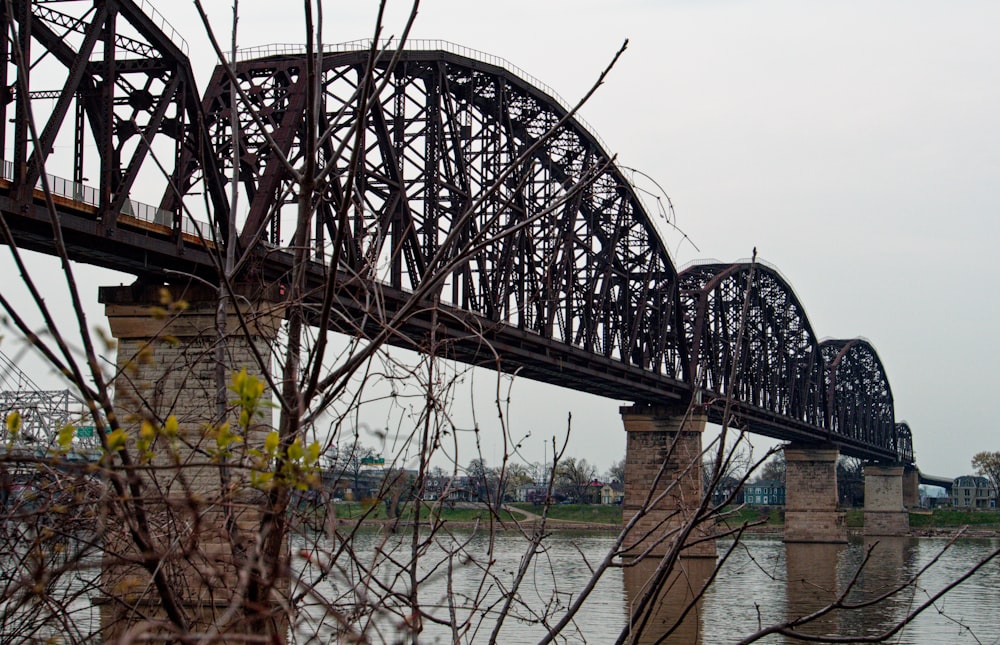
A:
[762,582]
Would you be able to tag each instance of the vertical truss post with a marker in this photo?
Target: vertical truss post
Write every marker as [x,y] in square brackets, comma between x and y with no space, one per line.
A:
[78,141]
[22,105]
[433,143]
[177,221]
[5,94]
[399,130]
[106,145]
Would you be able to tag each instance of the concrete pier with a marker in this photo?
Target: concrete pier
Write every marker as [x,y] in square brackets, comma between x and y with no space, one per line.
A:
[663,457]
[911,487]
[884,510]
[811,513]
[203,518]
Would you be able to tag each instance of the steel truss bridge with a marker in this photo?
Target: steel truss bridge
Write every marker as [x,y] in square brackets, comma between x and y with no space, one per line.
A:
[442,171]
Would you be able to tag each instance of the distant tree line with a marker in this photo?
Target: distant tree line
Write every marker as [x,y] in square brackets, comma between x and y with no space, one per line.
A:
[359,471]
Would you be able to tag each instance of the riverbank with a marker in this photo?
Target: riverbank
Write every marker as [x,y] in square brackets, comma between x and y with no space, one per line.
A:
[595,517]
[940,522]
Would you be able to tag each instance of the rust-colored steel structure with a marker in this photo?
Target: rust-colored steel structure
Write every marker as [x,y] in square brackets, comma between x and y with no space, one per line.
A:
[859,399]
[773,366]
[122,88]
[552,266]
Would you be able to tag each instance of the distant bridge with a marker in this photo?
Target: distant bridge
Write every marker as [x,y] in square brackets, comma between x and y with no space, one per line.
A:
[935,480]
[41,414]
[442,178]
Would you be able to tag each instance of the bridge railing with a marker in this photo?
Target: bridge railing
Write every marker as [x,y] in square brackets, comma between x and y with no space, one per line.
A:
[83,194]
[168,30]
[420,44]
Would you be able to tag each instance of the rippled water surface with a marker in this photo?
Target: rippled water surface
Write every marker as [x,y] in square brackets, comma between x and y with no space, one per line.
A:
[781,581]
[763,581]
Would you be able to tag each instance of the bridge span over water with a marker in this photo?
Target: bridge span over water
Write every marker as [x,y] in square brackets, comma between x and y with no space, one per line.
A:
[452,191]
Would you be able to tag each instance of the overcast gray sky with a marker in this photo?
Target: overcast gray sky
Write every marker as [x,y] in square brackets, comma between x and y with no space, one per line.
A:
[855,144]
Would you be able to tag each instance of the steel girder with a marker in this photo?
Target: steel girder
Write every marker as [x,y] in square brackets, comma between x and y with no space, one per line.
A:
[750,337]
[859,399]
[125,90]
[554,263]
[775,363]
[559,246]
[904,443]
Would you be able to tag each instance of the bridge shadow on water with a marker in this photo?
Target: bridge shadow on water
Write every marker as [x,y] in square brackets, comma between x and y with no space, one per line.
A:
[669,611]
[821,575]
[811,583]
[815,577]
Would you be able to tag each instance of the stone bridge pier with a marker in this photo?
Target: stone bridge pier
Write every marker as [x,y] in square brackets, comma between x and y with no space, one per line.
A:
[663,481]
[911,486]
[811,512]
[201,518]
[885,513]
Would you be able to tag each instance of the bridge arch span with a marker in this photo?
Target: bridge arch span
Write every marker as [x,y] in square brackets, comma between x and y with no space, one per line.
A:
[859,398]
[904,443]
[537,242]
[454,151]
[779,368]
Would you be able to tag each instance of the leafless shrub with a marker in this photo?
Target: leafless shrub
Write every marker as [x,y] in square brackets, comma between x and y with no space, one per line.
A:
[207,525]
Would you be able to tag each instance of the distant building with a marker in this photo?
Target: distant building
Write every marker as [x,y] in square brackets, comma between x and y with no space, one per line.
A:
[363,484]
[461,489]
[764,493]
[613,493]
[532,493]
[727,488]
[591,493]
[970,491]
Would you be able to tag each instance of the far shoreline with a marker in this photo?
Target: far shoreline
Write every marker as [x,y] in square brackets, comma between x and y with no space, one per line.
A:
[940,523]
[565,526]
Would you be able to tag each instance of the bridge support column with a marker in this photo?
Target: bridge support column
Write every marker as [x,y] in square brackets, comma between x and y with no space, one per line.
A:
[663,454]
[884,512]
[811,513]
[202,519]
[911,487]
